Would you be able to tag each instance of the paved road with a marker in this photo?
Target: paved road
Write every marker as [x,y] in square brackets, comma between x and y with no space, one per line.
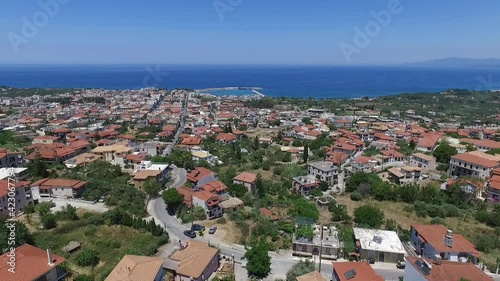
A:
[182,120]
[280,263]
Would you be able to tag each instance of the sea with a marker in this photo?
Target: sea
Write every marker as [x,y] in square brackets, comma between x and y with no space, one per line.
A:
[271,80]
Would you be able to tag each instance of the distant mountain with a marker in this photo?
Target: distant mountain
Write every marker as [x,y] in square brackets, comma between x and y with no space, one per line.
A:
[458,62]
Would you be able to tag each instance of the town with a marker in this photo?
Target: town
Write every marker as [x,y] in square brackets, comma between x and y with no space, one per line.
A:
[157,184]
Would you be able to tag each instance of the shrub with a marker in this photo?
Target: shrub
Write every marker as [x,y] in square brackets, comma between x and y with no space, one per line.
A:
[436,211]
[221,220]
[49,221]
[437,220]
[87,257]
[355,196]
[482,216]
[84,277]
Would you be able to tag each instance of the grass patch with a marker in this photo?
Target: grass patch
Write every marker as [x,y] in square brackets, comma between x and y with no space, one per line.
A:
[111,242]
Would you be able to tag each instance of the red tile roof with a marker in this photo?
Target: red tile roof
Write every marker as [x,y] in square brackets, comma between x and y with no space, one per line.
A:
[226,137]
[4,186]
[267,213]
[31,264]
[363,271]
[191,141]
[476,160]
[434,235]
[198,174]
[450,271]
[246,177]
[214,186]
[65,183]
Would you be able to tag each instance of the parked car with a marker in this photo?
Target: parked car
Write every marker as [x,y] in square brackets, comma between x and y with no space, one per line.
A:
[401,264]
[371,260]
[212,230]
[197,227]
[190,233]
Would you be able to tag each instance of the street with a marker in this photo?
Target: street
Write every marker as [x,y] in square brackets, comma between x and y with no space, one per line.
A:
[280,263]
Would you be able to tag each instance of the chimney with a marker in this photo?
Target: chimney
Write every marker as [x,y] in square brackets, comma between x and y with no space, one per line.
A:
[448,238]
[49,257]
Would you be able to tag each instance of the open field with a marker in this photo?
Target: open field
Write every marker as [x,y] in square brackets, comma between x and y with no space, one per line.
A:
[466,225]
[111,242]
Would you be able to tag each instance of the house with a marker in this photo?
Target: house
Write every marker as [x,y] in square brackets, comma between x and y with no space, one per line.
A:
[142,176]
[432,240]
[311,276]
[482,145]
[191,141]
[32,263]
[246,179]
[423,161]
[204,199]
[354,271]
[64,188]
[18,191]
[324,171]
[392,156]
[10,159]
[82,160]
[475,187]
[268,214]
[325,240]
[226,138]
[114,154]
[381,245]
[202,155]
[494,185]
[428,142]
[201,176]
[263,140]
[146,168]
[217,188]
[305,185]
[474,164]
[403,175]
[132,161]
[194,261]
[436,269]
[137,268]
[45,139]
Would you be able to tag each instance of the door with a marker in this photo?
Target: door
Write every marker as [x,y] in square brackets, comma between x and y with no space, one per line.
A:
[381,257]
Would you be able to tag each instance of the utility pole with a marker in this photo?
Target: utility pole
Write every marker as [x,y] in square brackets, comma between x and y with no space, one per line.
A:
[320,249]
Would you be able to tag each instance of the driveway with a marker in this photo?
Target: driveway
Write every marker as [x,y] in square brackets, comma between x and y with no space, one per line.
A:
[89,206]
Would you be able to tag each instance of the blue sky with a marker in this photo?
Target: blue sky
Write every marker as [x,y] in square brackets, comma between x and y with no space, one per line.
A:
[253,31]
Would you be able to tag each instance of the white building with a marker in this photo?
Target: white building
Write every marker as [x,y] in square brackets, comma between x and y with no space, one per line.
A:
[381,245]
[324,171]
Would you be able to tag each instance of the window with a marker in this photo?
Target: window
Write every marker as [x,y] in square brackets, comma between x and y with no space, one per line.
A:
[394,256]
[371,253]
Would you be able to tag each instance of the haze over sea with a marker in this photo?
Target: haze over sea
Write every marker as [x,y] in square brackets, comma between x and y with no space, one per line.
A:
[289,81]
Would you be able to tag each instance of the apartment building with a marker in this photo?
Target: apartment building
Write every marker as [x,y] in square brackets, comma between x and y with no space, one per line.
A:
[10,159]
[419,269]
[21,194]
[474,164]
[423,161]
[404,175]
[324,171]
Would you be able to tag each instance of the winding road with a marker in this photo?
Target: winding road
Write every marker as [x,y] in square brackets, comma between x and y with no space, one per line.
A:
[279,263]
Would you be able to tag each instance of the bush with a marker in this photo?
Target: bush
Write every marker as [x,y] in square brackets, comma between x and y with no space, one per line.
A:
[84,277]
[482,216]
[436,211]
[221,220]
[368,215]
[437,220]
[355,196]
[49,221]
[87,257]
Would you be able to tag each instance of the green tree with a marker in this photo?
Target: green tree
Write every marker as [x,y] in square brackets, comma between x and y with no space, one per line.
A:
[68,212]
[307,120]
[88,257]
[237,190]
[199,213]
[23,235]
[306,153]
[258,259]
[369,215]
[38,168]
[152,187]
[323,186]
[339,212]
[443,152]
[299,269]
[172,198]
[49,221]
